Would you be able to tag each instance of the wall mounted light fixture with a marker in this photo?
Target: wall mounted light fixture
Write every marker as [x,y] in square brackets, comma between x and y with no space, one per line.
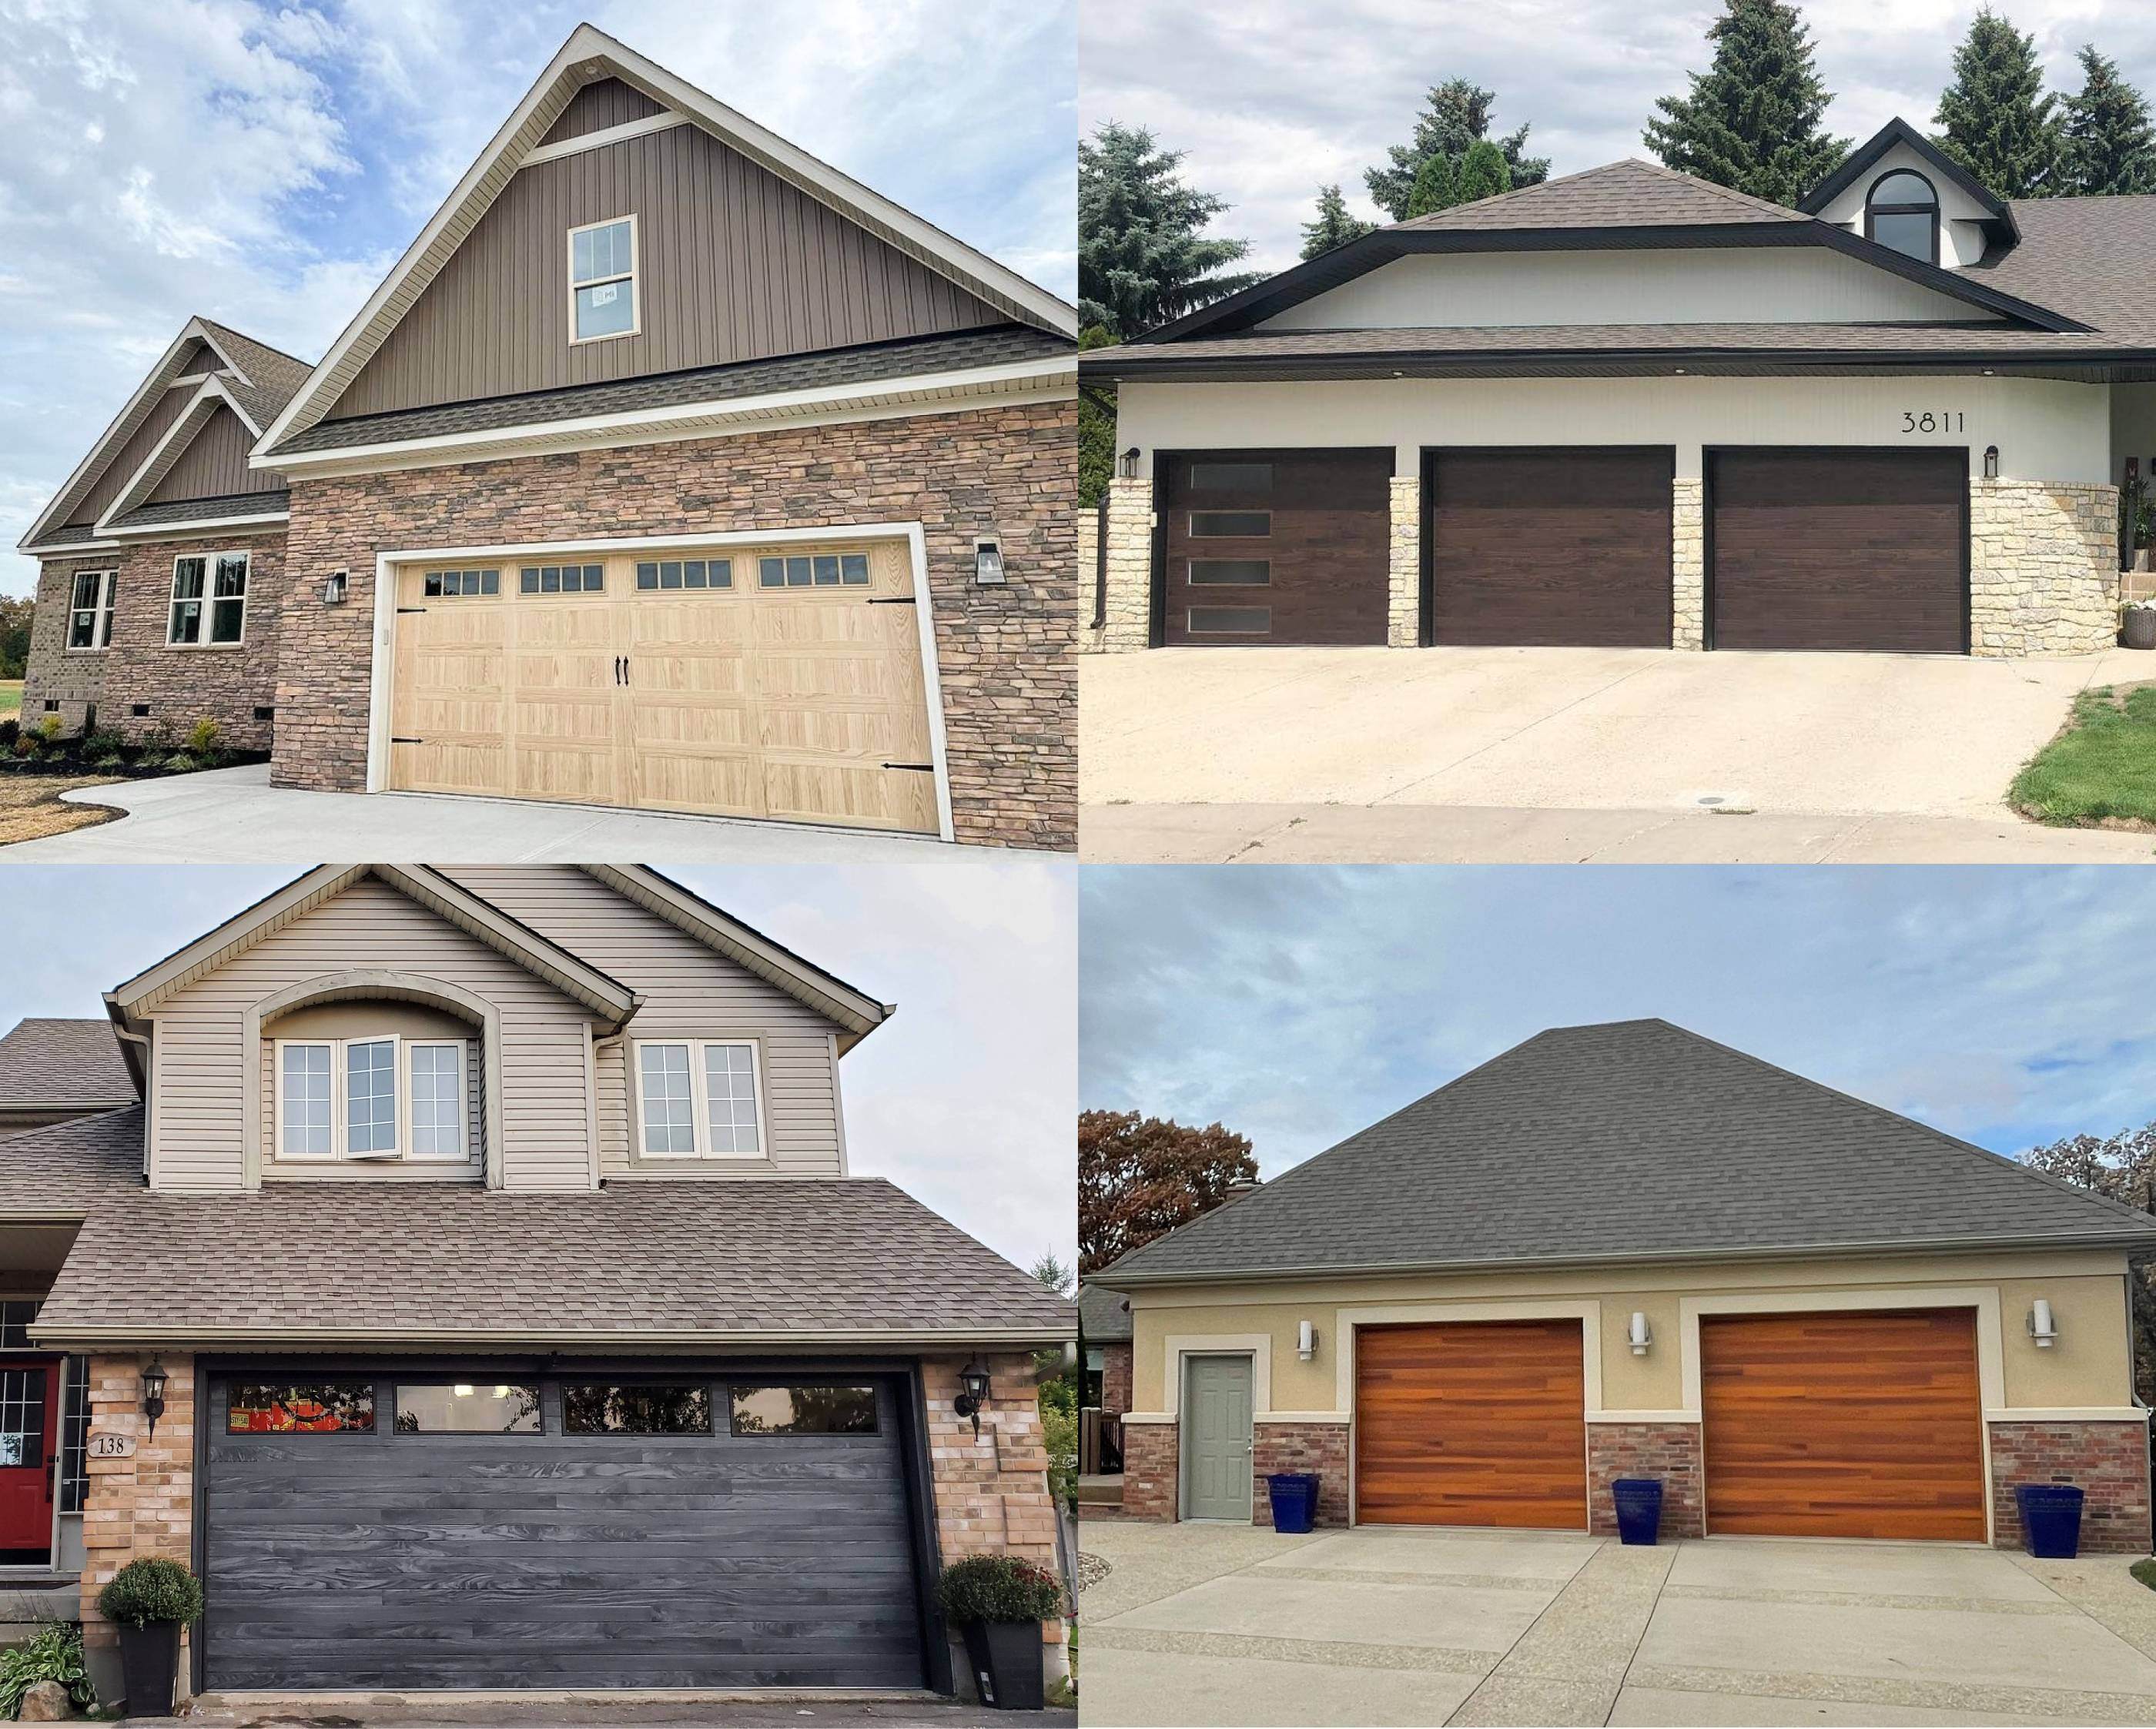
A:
[1305,1340]
[974,1392]
[987,561]
[335,586]
[1127,465]
[1640,1333]
[2042,1328]
[1991,462]
[154,1378]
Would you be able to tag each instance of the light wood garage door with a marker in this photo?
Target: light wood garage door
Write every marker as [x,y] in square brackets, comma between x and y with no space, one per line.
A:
[779,681]
[1843,1424]
[1472,1422]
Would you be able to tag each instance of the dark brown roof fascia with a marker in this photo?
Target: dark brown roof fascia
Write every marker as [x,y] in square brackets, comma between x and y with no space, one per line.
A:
[1100,364]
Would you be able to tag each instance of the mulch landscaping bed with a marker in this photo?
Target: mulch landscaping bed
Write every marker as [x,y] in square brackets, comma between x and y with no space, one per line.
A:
[2100,771]
[30,807]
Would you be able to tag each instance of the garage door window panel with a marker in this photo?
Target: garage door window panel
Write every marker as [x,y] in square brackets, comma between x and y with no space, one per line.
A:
[1230,621]
[300,1408]
[804,1410]
[700,1099]
[469,1408]
[1231,572]
[1243,479]
[1230,524]
[685,573]
[636,1407]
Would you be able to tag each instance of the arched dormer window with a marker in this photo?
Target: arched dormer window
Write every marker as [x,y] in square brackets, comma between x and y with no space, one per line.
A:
[1903,212]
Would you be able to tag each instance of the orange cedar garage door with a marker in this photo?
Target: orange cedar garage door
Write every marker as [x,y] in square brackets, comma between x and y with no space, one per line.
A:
[1839,1425]
[1472,1422]
[777,681]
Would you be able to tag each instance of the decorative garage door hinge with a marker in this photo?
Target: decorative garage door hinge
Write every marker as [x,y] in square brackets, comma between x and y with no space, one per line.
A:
[394,739]
[411,609]
[891,600]
[915,768]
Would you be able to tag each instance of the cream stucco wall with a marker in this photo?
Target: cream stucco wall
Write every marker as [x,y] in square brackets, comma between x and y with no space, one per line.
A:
[2088,1370]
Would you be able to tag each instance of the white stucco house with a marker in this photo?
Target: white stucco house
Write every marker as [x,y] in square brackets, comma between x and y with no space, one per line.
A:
[1629,406]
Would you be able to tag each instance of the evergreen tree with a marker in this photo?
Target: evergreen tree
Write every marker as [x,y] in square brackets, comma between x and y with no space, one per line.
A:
[1455,114]
[1336,224]
[1096,427]
[1996,119]
[1755,119]
[1483,173]
[1436,188]
[1141,257]
[2111,146]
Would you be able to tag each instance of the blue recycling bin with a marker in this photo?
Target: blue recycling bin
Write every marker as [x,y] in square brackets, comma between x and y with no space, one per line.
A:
[1294,1495]
[2050,1519]
[1639,1510]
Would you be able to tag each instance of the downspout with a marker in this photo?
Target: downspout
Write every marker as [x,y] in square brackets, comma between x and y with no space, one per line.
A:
[1101,568]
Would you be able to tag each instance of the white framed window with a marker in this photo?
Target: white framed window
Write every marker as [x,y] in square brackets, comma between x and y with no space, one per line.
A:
[89,610]
[376,1098]
[602,291]
[699,1098]
[209,600]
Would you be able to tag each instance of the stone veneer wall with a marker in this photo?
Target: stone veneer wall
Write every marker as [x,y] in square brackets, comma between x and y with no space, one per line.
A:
[1116,1378]
[180,685]
[1688,563]
[1149,1467]
[1130,572]
[2109,1461]
[1668,1450]
[139,1506]
[992,1489]
[1403,565]
[1009,685]
[2043,567]
[1319,1446]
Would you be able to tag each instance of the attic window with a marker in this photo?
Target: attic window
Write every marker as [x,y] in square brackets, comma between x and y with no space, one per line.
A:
[603,280]
[1902,214]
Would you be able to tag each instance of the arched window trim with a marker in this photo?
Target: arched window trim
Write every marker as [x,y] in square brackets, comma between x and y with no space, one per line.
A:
[1872,207]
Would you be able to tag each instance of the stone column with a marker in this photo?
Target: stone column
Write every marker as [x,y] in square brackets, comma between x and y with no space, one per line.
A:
[137,1506]
[1688,564]
[2043,567]
[1403,564]
[1130,572]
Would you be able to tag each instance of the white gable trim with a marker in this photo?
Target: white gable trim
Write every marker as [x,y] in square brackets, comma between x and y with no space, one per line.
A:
[192,528]
[168,449]
[605,135]
[589,53]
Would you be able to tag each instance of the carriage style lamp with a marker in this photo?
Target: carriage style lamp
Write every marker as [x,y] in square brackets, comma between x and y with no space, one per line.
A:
[153,1395]
[1129,467]
[988,561]
[334,588]
[973,1380]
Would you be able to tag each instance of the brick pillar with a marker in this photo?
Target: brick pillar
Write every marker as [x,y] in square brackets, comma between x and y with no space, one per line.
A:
[139,1506]
[1149,1465]
[1403,564]
[991,1490]
[1116,1378]
[1319,1446]
[1688,564]
[1669,1451]
[2108,1461]
[2043,574]
[1130,570]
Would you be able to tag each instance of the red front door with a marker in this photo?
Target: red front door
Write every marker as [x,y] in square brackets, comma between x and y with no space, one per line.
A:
[29,1442]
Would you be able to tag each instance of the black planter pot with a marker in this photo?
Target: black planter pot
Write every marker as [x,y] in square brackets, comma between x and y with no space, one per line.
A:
[1006,1660]
[149,1667]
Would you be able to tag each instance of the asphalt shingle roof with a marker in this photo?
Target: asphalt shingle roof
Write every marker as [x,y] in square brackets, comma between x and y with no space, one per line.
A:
[1631,1140]
[274,377]
[852,1255]
[72,1166]
[1626,194]
[181,511]
[50,1061]
[1104,1315]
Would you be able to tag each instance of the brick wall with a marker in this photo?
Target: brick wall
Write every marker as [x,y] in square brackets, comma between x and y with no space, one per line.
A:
[1319,1446]
[1149,1462]
[1004,653]
[1669,1451]
[142,1505]
[1116,1378]
[992,1489]
[2109,1461]
[181,685]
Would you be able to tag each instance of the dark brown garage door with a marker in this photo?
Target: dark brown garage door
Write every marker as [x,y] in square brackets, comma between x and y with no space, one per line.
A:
[1549,548]
[1276,547]
[1472,1422]
[1838,549]
[1843,1424]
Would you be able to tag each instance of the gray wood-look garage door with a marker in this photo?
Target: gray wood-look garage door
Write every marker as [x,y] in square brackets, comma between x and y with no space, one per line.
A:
[363,1557]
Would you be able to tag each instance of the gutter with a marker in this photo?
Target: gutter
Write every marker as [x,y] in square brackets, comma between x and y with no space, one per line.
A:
[1216,369]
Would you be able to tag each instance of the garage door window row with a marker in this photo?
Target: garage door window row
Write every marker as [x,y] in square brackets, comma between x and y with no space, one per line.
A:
[561,578]
[587,1408]
[819,570]
[449,584]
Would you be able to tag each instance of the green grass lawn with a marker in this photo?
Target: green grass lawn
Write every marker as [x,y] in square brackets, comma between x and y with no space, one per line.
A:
[2102,768]
[11,697]
[2145,1571]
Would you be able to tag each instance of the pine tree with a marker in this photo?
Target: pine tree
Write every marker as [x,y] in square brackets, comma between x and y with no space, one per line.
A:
[1142,260]
[2111,146]
[1996,119]
[1336,224]
[1455,114]
[1483,173]
[1436,188]
[1755,121]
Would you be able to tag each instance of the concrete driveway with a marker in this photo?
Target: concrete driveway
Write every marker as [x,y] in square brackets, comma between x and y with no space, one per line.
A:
[1210,1624]
[1558,755]
[235,816]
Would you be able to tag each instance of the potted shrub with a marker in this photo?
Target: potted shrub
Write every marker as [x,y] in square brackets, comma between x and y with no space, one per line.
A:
[998,1601]
[151,1600]
[2140,617]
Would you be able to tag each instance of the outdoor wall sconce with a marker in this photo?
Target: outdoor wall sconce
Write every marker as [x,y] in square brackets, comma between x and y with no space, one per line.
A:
[973,1384]
[1306,1340]
[1640,1333]
[988,562]
[154,1378]
[1127,466]
[2041,1328]
[334,588]
[1991,462]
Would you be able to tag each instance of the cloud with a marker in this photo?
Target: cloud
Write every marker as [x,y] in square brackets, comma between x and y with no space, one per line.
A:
[265,163]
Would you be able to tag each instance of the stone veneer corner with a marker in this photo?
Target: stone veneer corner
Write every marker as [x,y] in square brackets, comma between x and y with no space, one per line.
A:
[2043,567]
[1688,563]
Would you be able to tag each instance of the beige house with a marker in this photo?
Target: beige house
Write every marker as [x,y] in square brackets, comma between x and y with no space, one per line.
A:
[1625,1250]
[492,1229]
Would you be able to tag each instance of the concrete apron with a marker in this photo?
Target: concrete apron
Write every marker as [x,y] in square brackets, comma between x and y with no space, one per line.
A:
[1482,1628]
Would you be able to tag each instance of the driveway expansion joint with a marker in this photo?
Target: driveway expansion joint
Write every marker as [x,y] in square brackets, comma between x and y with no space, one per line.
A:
[1334,1652]
[2024,1703]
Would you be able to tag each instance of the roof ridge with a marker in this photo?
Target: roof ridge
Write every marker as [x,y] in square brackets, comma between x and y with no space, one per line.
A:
[216,323]
[1780,212]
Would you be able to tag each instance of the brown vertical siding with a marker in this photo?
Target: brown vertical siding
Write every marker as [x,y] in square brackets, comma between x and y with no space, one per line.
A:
[597,106]
[214,465]
[130,456]
[734,264]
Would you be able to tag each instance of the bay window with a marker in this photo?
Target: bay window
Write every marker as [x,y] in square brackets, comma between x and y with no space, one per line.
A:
[379,1098]
[699,1098]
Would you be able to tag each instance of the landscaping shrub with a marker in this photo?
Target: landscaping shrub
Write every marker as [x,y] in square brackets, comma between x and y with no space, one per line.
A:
[54,1654]
[48,729]
[179,762]
[998,1588]
[203,739]
[152,1591]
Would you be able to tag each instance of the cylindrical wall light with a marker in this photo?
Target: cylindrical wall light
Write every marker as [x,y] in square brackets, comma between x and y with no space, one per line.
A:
[2041,1328]
[1641,1334]
[1306,1340]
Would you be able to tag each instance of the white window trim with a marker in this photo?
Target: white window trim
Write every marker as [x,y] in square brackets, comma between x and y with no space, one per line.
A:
[410,1100]
[172,598]
[699,1097]
[633,276]
[101,633]
[277,1103]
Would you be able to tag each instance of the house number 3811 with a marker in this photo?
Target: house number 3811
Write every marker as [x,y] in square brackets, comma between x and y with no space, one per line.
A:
[1927,420]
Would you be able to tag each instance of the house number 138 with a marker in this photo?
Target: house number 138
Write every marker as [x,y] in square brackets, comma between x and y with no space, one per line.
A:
[1915,420]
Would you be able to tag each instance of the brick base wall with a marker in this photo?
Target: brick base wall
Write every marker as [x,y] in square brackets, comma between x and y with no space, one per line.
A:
[1319,1446]
[1668,1451]
[1149,1465]
[1116,1378]
[2109,1461]
[139,1506]
[991,1489]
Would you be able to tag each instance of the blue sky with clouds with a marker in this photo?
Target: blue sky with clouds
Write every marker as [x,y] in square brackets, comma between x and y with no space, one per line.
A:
[265,163]
[965,1098]
[2010,1006]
